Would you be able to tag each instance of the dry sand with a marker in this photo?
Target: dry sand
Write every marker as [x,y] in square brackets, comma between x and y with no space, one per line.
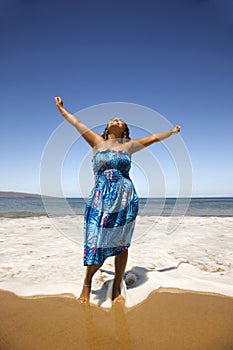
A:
[167,319]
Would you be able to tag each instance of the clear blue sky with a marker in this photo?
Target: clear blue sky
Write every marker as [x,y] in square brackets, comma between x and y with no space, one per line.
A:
[173,56]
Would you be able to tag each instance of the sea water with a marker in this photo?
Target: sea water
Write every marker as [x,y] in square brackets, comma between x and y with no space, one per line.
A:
[29,207]
[41,254]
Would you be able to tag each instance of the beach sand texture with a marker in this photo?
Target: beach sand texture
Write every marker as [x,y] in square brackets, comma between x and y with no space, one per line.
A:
[165,321]
[36,258]
[182,270]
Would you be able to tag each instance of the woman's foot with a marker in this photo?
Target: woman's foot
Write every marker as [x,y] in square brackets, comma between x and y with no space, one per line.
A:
[85,294]
[119,299]
[116,294]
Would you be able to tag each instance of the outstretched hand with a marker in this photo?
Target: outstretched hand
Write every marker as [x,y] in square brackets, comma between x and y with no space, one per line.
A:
[176,129]
[58,101]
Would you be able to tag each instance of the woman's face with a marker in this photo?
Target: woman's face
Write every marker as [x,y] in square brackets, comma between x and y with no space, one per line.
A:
[116,122]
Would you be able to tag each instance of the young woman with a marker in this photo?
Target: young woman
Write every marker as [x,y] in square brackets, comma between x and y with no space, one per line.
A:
[112,206]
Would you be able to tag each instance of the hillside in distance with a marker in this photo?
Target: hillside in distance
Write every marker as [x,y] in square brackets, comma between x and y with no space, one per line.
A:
[8,194]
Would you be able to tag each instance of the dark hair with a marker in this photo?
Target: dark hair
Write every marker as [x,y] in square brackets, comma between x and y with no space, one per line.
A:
[125,135]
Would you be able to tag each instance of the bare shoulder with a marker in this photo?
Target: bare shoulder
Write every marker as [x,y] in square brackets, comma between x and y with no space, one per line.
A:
[134,145]
[107,145]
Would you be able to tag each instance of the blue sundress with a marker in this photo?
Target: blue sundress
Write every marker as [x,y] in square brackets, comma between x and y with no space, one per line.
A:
[111,208]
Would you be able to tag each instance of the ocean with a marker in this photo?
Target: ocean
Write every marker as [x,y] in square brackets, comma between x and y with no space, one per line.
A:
[30,207]
[42,252]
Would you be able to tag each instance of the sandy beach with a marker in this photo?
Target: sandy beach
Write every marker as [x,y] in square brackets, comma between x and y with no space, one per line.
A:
[166,320]
[37,258]
[181,296]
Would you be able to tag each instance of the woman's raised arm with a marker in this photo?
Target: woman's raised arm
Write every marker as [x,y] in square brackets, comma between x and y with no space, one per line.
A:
[138,144]
[92,137]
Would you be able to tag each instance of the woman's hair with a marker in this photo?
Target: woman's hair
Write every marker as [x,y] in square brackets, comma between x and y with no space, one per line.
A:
[125,135]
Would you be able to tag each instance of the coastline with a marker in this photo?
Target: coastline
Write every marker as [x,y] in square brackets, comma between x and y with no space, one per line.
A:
[39,257]
[165,320]
[182,297]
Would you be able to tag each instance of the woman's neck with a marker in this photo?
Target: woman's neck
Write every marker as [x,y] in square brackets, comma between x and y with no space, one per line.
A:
[114,138]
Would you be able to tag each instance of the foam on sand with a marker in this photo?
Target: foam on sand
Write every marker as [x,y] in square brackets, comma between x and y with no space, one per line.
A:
[36,259]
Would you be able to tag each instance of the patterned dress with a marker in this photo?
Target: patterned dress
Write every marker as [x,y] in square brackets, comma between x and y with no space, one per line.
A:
[111,208]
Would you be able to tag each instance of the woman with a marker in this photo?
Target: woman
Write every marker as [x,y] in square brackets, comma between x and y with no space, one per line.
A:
[112,206]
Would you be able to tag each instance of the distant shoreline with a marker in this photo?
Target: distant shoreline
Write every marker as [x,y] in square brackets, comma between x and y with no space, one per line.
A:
[12,194]
[9,194]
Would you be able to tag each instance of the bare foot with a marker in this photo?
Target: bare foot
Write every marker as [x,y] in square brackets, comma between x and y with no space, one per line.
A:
[116,295]
[118,299]
[85,294]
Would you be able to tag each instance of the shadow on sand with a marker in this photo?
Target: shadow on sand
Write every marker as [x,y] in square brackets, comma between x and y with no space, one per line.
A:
[141,274]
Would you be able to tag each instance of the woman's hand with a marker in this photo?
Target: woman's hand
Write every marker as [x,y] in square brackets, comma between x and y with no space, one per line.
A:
[59,102]
[176,129]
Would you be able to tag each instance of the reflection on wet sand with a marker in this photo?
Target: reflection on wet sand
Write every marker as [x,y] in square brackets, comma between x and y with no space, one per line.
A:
[166,320]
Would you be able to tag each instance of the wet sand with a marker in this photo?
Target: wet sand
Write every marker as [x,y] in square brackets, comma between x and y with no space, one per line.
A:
[167,319]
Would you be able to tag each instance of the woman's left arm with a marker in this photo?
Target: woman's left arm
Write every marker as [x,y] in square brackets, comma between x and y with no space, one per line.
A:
[138,144]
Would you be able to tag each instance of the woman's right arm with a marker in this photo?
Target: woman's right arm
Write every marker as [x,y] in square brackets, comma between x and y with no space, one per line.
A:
[92,137]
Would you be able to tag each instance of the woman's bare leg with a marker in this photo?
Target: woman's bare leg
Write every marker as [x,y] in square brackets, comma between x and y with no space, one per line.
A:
[120,265]
[86,291]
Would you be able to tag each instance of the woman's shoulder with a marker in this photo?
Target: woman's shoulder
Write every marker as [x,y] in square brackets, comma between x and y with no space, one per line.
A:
[106,146]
